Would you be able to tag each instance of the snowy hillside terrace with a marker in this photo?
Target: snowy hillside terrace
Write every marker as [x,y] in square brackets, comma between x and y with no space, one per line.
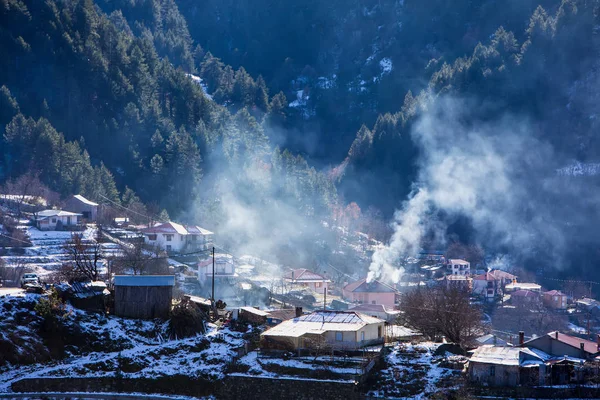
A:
[99,346]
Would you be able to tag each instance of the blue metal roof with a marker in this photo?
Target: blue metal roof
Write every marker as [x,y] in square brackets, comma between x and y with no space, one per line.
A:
[144,280]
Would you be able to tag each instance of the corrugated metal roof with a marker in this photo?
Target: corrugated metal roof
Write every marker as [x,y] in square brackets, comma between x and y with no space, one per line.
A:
[144,280]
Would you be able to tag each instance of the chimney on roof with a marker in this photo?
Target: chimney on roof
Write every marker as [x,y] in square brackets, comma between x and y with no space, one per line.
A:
[598,341]
[298,311]
[521,338]
[556,335]
[582,349]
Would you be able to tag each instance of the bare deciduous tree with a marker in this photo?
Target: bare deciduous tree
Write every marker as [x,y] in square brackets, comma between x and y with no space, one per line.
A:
[84,259]
[28,188]
[442,310]
[141,259]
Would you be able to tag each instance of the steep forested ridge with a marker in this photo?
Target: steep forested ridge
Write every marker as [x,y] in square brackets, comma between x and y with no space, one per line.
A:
[102,104]
[203,107]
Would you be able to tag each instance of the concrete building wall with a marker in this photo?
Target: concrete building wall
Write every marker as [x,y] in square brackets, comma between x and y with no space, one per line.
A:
[166,241]
[51,223]
[387,299]
[493,374]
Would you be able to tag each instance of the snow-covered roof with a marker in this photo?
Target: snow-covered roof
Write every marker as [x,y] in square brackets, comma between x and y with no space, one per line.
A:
[490,339]
[84,200]
[144,280]
[457,261]
[56,213]
[254,311]
[490,354]
[320,322]
[523,286]
[167,227]
[173,227]
[197,230]
[367,308]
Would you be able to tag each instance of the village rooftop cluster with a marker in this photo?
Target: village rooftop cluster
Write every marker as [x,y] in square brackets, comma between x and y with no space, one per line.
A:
[528,336]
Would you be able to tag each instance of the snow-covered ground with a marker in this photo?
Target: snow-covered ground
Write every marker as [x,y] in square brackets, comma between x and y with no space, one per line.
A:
[47,254]
[200,82]
[301,367]
[136,348]
[412,371]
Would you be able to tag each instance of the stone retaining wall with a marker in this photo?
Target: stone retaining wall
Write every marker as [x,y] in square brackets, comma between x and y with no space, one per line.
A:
[232,387]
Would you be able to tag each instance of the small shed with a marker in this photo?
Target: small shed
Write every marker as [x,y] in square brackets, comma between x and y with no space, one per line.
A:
[253,315]
[79,204]
[143,296]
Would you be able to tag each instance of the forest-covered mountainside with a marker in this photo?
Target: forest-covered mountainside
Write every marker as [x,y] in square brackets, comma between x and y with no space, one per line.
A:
[249,116]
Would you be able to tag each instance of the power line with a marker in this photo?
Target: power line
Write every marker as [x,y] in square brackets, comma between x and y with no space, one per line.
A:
[125,208]
[13,238]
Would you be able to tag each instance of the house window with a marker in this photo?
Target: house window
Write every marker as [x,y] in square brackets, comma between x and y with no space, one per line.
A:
[53,220]
[169,247]
[490,284]
[151,237]
[379,332]
[194,237]
[318,284]
[339,337]
[490,292]
[492,370]
[169,237]
[373,302]
[362,336]
[555,299]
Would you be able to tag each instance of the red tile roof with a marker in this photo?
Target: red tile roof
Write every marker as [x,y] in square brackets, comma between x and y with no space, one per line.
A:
[494,275]
[363,286]
[304,274]
[588,345]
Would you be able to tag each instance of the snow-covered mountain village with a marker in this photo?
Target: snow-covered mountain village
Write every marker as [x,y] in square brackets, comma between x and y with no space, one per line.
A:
[91,302]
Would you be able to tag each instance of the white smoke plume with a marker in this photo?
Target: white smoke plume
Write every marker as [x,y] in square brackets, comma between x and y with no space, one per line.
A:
[482,171]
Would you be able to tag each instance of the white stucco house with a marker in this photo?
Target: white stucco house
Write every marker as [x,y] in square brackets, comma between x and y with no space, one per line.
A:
[52,220]
[459,267]
[342,330]
[174,237]
[224,268]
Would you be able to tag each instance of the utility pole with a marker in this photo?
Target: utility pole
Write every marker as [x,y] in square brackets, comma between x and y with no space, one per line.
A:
[213,274]
[325,299]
